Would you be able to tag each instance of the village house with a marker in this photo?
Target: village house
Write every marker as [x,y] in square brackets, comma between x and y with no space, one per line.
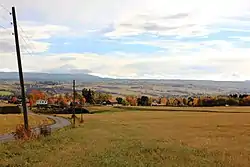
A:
[111,102]
[41,102]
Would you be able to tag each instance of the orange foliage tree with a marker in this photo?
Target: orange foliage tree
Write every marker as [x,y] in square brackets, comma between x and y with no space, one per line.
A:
[196,102]
[163,101]
[132,100]
[36,95]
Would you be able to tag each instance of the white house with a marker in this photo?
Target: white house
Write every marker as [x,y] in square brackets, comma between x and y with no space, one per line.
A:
[41,102]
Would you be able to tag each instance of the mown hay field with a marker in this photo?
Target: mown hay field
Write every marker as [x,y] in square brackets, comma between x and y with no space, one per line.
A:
[229,109]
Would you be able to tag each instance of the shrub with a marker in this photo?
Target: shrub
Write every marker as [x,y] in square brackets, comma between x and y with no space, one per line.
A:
[62,111]
[45,130]
[10,110]
[22,134]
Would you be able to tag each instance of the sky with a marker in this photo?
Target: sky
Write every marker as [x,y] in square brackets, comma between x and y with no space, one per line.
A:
[153,39]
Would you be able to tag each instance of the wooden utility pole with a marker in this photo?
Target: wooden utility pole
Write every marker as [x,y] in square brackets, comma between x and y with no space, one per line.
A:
[19,61]
[74,102]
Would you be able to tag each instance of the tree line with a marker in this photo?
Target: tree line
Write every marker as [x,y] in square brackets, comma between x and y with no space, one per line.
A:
[203,101]
[93,97]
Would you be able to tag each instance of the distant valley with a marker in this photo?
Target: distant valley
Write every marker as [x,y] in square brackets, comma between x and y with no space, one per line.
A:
[123,87]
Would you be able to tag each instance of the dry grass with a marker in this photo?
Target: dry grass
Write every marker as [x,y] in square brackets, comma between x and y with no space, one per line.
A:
[216,132]
[6,104]
[233,109]
[9,122]
[141,139]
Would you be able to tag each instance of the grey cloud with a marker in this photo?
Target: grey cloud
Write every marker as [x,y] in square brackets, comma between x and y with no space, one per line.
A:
[67,58]
[80,71]
[155,27]
[176,16]
[151,23]
[67,68]
[126,25]
[6,47]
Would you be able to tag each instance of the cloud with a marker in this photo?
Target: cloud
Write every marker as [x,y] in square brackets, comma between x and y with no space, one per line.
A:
[67,68]
[207,64]
[198,39]
[31,35]
[177,16]
[67,58]
[181,21]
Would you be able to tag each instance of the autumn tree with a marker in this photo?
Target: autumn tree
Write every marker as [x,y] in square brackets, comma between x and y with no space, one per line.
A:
[62,101]
[132,100]
[150,101]
[171,101]
[67,96]
[196,101]
[99,97]
[184,101]
[245,101]
[51,100]
[125,102]
[163,101]
[35,95]
[233,102]
[190,101]
[14,99]
[82,101]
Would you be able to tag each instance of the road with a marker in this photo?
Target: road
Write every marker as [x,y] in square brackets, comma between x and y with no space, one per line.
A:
[59,123]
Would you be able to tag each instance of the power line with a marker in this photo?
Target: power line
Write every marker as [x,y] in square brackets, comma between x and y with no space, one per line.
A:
[27,37]
[25,47]
[4,18]
[24,37]
[3,27]
[5,9]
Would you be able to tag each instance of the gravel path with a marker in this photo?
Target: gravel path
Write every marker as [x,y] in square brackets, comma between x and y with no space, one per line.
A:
[59,123]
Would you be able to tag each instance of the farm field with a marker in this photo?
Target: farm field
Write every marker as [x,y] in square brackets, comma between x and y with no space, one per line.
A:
[141,138]
[5,93]
[233,109]
[8,122]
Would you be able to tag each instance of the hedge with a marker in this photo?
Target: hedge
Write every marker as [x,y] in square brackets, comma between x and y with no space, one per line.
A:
[61,111]
[10,110]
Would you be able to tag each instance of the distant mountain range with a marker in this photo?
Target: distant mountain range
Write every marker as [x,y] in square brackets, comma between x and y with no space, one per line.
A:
[83,77]
[30,76]
[138,86]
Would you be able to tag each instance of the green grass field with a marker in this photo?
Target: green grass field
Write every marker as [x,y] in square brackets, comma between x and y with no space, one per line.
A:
[140,138]
[5,93]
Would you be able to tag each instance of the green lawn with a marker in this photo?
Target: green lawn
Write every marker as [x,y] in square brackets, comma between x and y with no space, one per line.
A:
[5,93]
[138,138]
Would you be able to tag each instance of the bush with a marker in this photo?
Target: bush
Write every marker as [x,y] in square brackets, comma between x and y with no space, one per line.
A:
[45,130]
[62,111]
[10,110]
[22,134]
